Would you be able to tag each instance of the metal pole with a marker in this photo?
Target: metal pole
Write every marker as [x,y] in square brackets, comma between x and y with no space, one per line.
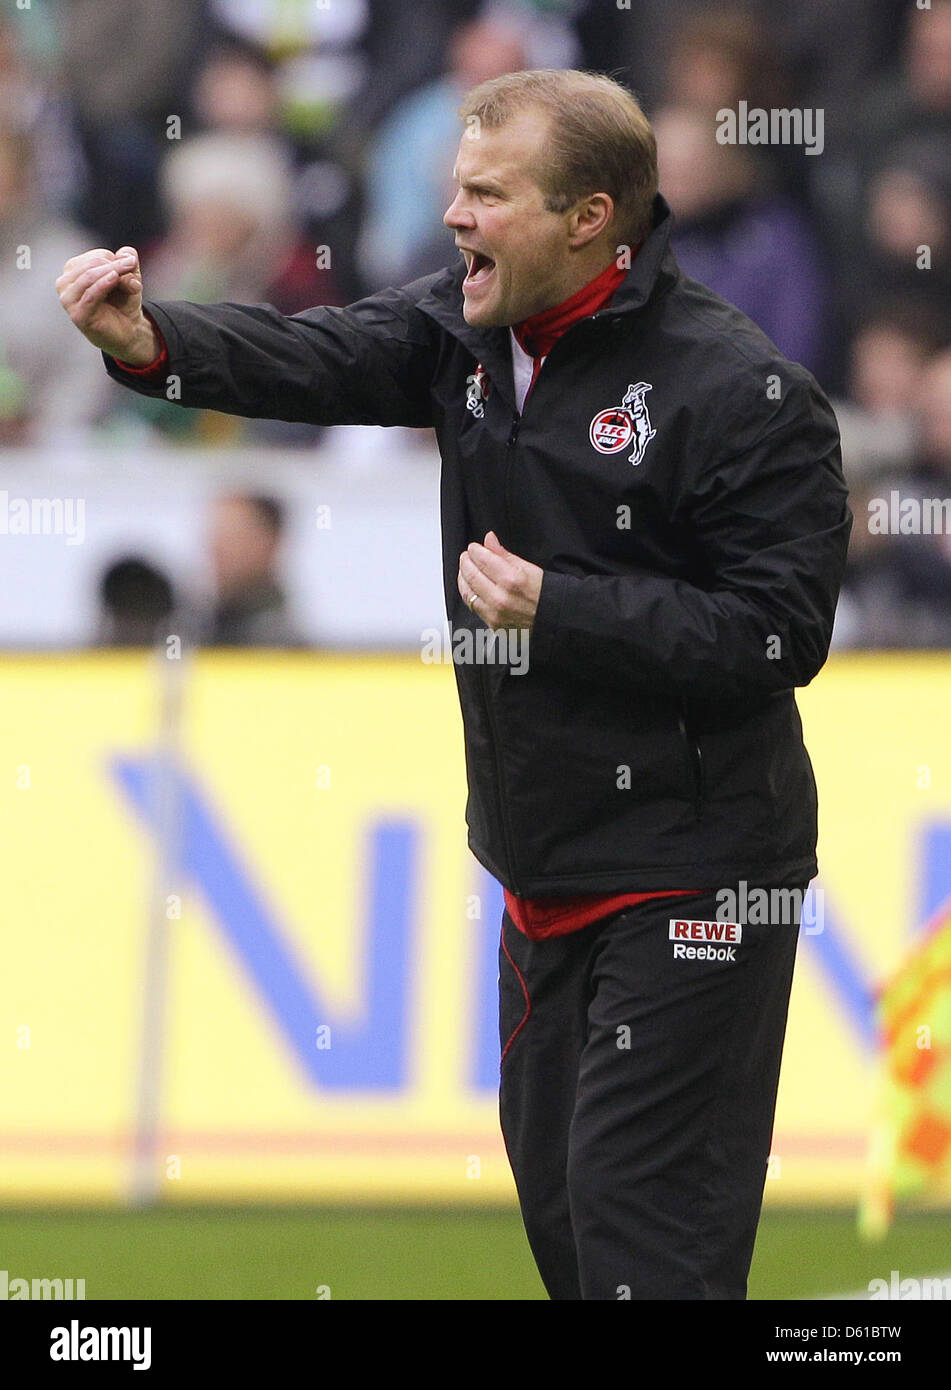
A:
[148,1170]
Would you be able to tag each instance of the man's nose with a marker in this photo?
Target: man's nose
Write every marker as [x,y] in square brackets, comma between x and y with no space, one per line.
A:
[456,214]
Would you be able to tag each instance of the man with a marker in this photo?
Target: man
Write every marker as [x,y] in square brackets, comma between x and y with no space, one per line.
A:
[249,607]
[633,475]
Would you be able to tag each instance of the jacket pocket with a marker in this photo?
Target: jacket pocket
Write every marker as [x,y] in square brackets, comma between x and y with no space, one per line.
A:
[693,760]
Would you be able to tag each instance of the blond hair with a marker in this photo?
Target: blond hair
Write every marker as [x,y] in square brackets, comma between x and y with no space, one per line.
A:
[599,140]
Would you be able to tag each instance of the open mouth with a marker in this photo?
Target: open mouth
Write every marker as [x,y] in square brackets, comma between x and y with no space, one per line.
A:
[481,269]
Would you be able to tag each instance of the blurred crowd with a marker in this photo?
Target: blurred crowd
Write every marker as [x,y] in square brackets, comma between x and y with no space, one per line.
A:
[299,152]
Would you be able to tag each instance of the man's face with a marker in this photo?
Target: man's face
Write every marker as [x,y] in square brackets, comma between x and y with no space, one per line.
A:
[242,547]
[517,253]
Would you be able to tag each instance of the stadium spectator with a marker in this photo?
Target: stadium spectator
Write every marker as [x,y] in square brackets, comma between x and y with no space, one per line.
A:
[934,413]
[232,227]
[916,100]
[828,50]
[889,164]
[128,66]
[738,236]
[831,52]
[47,391]
[136,602]
[32,94]
[721,57]
[317,48]
[249,607]
[897,589]
[233,235]
[408,183]
[888,354]
[236,90]
[908,222]
[402,56]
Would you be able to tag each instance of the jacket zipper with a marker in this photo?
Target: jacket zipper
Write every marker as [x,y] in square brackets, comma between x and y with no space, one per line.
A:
[510,450]
[701,777]
[496,749]
[499,780]
[695,764]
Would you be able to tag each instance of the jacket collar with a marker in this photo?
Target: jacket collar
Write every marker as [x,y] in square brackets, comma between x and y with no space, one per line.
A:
[653,270]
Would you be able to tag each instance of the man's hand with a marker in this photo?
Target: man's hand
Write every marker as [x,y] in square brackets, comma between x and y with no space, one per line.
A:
[102,293]
[498,586]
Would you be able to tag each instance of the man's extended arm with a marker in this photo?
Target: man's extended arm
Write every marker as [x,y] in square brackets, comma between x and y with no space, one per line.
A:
[368,364]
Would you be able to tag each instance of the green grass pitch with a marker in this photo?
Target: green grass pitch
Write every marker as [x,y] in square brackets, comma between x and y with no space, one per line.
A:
[404,1253]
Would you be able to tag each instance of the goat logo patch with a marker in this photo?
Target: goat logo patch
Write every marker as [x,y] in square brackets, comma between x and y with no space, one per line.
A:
[614,429]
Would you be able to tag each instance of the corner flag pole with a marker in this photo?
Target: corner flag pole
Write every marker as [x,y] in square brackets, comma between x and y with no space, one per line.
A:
[170,660]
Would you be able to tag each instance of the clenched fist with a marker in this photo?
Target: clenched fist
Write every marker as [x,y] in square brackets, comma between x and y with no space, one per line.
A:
[102,293]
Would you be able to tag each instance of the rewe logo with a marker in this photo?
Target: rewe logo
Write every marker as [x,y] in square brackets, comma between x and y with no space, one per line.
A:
[613,430]
[705,931]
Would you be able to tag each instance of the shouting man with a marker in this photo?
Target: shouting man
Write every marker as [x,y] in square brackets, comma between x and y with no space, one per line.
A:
[633,475]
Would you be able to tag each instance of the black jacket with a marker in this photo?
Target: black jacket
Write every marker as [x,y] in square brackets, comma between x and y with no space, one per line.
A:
[691,574]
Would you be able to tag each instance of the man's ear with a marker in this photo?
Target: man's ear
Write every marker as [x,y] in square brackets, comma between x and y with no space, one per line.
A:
[589,218]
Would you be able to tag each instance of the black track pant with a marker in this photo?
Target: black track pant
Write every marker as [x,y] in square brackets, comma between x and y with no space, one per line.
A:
[637,1097]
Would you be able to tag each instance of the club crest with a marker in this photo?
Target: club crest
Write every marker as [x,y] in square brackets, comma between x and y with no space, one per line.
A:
[615,429]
